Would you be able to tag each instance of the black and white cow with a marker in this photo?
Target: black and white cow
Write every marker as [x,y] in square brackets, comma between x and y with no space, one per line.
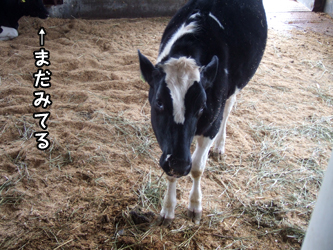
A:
[208,53]
[12,10]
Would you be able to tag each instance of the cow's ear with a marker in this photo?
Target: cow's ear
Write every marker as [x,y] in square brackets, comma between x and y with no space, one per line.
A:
[209,72]
[146,68]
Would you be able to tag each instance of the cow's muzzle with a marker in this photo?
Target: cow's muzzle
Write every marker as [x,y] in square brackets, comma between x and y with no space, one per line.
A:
[175,167]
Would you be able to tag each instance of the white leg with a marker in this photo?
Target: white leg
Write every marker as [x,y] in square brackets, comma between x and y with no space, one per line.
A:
[199,159]
[219,145]
[8,33]
[167,213]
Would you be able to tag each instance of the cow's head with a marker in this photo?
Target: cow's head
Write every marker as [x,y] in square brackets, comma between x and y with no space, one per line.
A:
[177,98]
[34,8]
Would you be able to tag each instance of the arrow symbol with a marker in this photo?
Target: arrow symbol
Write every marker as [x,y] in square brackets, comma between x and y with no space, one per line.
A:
[41,38]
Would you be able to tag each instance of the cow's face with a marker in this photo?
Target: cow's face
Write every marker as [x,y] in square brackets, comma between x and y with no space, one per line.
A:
[34,8]
[178,99]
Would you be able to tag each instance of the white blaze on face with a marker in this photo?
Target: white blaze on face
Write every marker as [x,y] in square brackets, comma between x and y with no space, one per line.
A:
[181,73]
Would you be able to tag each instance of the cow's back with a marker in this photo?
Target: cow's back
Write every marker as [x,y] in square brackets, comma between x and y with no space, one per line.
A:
[245,29]
[234,30]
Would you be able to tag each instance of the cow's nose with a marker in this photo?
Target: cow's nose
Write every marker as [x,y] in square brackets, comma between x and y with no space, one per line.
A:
[176,167]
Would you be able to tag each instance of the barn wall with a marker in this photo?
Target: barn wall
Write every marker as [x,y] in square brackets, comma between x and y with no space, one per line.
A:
[103,9]
[307,3]
[318,5]
[329,7]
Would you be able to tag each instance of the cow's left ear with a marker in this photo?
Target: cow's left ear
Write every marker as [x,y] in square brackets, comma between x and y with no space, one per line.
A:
[209,72]
[146,68]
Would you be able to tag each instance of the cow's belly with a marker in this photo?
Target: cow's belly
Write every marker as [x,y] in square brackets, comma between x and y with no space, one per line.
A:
[8,33]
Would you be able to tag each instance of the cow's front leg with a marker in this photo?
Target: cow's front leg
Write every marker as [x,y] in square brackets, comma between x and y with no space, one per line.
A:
[219,147]
[167,213]
[199,159]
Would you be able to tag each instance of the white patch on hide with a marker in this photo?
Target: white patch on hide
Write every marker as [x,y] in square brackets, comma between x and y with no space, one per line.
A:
[216,20]
[193,16]
[189,28]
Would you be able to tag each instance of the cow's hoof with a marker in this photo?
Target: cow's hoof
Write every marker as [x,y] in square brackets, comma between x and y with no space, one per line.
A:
[215,155]
[194,216]
[164,222]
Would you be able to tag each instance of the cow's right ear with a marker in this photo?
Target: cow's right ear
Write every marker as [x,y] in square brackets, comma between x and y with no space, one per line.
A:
[209,72]
[146,68]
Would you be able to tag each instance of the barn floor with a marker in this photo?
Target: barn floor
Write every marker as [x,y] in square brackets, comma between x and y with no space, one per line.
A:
[99,185]
[289,14]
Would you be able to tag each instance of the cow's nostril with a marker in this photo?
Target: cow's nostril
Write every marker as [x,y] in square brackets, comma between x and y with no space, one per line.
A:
[179,172]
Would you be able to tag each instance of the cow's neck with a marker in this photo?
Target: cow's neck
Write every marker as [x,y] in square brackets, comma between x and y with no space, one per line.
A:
[190,48]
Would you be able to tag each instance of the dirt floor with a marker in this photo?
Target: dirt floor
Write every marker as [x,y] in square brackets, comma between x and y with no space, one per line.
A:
[98,186]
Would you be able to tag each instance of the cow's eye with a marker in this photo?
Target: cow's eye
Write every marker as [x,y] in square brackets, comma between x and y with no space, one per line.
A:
[159,105]
[201,110]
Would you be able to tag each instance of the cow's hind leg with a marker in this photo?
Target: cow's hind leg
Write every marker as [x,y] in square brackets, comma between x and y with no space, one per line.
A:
[199,159]
[219,144]
[167,213]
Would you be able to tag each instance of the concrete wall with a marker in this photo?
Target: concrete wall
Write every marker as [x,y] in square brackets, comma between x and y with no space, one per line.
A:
[314,5]
[329,7]
[318,5]
[307,3]
[104,9]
